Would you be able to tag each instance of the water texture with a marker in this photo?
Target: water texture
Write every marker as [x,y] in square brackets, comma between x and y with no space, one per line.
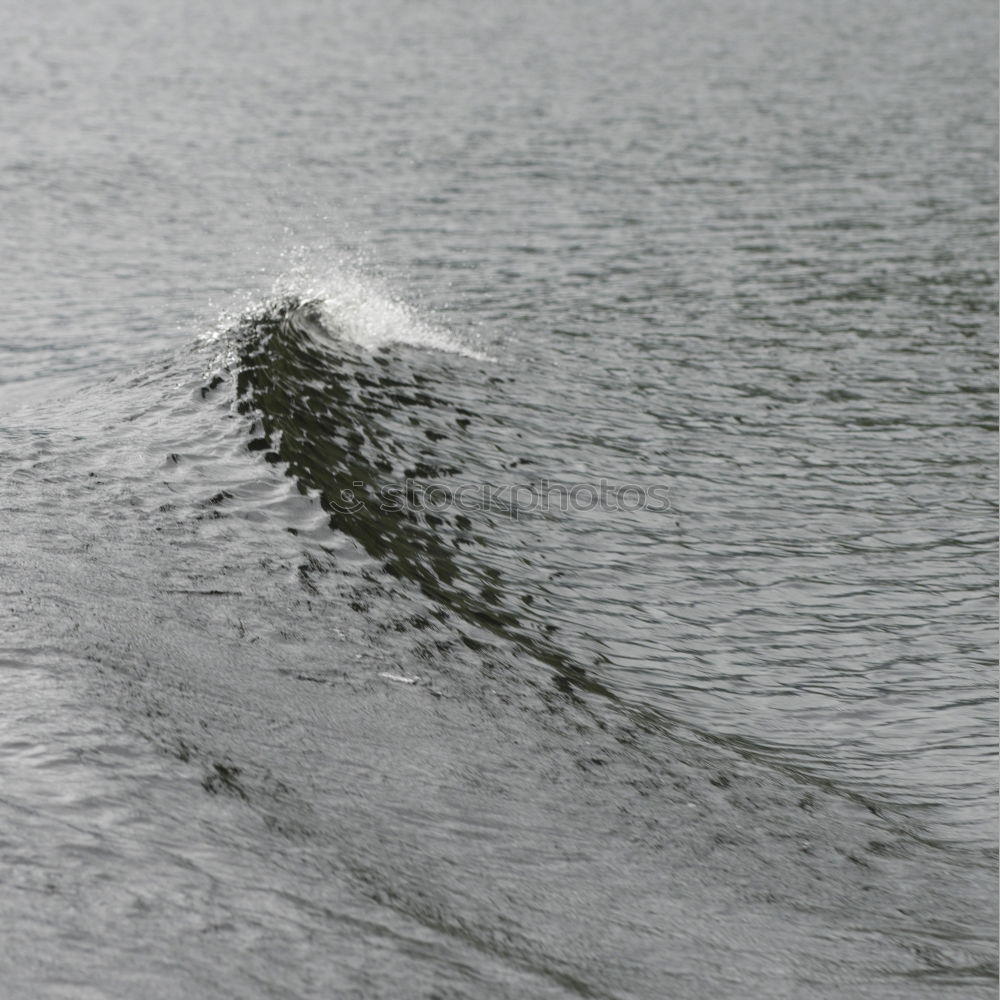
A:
[498,502]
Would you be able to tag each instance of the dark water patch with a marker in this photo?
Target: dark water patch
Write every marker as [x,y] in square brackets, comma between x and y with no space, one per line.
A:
[330,412]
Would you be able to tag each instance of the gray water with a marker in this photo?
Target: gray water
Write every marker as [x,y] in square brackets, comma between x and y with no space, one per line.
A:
[263,734]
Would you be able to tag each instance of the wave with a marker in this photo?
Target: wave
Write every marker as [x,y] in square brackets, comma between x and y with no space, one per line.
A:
[334,416]
[353,424]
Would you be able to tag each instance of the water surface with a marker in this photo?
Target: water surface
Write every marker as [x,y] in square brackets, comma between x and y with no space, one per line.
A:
[264,734]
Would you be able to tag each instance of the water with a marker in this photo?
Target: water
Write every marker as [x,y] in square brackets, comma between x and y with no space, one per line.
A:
[324,670]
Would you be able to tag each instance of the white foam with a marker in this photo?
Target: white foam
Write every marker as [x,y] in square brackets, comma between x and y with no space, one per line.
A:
[357,307]
[361,309]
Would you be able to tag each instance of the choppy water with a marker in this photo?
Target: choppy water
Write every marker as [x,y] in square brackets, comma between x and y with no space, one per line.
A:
[305,690]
